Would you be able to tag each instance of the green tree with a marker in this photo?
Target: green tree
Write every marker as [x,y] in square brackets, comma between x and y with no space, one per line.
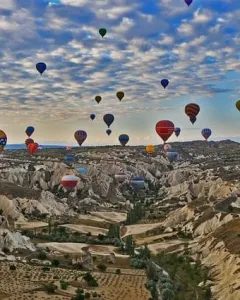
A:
[55,262]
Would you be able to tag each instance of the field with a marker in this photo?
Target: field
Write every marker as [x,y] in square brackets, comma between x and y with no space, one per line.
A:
[30,225]
[20,284]
[114,217]
[85,229]
[139,228]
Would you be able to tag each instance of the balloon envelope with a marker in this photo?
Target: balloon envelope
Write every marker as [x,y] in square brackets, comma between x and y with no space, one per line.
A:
[98,99]
[188,2]
[164,82]
[102,32]
[29,141]
[123,139]
[108,131]
[108,119]
[29,130]
[82,170]
[206,133]
[120,177]
[69,181]
[41,67]
[238,105]
[92,116]
[192,110]
[80,136]
[137,183]
[177,131]
[167,147]
[120,95]
[3,139]
[165,129]
[172,155]
[193,120]
[32,148]
[69,158]
[150,149]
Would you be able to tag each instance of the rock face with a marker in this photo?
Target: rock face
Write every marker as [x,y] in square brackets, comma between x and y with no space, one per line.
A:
[198,195]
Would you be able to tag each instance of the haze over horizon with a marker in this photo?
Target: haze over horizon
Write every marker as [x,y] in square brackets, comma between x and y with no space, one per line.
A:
[197,48]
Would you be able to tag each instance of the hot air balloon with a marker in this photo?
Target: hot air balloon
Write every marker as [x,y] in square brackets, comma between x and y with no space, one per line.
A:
[69,158]
[29,130]
[166,147]
[193,120]
[137,183]
[238,105]
[68,148]
[80,136]
[164,82]
[108,131]
[3,139]
[123,139]
[98,99]
[120,95]
[192,110]
[188,2]
[120,177]
[82,171]
[108,119]
[69,182]
[177,131]
[206,133]
[29,141]
[32,148]
[172,155]
[92,116]
[102,32]
[150,149]
[165,129]
[41,67]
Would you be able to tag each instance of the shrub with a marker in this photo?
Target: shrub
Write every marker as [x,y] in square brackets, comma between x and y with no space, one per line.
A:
[50,288]
[12,267]
[55,262]
[118,271]
[102,267]
[5,250]
[64,285]
[42,255]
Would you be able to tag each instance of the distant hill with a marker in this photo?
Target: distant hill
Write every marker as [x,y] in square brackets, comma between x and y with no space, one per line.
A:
[23,146]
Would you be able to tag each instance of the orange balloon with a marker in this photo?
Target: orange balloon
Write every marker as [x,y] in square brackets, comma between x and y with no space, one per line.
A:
[32,148]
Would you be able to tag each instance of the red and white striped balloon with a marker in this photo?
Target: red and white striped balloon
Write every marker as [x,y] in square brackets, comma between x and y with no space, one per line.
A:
[69,181]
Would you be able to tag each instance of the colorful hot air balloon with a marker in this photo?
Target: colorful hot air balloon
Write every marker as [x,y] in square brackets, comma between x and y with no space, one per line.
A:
[120,177]
[193,120]
[188,2]
[41,67]
[164,82]
[238,105]
[32,148]
[29,141]
[108,119]
[80,136]
[206,133]
[108,131]
[192,110]
[82,171]
[68,148]
[69,158]
[29,130]
[98,99]
[166,147]
[123,139]
[172,155]
[177,131]
[120,95]
[69,182]
[92,116]
[165,129]
[150,149]
[3,140]
[102,32]
[137,183]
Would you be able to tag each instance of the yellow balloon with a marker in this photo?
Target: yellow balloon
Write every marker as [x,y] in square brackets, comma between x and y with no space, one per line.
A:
[238,105]
[150,149]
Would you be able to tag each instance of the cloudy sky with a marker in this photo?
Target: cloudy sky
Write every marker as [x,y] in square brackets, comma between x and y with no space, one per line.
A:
[197,48]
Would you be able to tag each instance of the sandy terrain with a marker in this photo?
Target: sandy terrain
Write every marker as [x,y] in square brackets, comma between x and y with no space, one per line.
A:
[111,216]
[140,228]
[91,217]
[153,239]
[77,248]
[31,225]
[85,229]
[157,247]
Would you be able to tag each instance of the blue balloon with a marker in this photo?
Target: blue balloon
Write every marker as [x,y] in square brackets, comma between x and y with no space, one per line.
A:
[29,131]
[123,139]
[164,82]
[137,183]
[108,119]
[92,116]
[172,155]
[41,67]
[69,158]
[206,133]
[108,131]
[193,119]
[177,131]
[82,170]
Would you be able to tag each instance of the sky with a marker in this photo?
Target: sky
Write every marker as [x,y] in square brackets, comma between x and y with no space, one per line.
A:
[196,48]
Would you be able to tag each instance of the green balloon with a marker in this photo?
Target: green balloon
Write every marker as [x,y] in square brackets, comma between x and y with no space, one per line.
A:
[120,95]
[98,98]
[102,31]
